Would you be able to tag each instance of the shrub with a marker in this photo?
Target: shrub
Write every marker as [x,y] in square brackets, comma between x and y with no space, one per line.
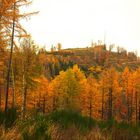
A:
[8,118]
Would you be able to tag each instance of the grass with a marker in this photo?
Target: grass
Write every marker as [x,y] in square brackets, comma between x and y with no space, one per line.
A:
[68,118]
[70,125]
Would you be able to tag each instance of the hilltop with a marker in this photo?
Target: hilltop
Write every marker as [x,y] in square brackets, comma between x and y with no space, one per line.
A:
[90,59]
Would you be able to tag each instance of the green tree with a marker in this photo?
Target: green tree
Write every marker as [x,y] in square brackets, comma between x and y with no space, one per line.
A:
[67,88]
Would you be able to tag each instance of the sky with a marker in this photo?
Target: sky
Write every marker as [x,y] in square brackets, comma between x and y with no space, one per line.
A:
[76,23]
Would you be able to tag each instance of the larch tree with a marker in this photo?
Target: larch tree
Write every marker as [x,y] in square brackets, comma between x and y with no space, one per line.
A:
[67,89]
[137,95]
[92,98]
[39,98]
[109,87]
[103,91]
[10,14]
[126,89]
[26,69]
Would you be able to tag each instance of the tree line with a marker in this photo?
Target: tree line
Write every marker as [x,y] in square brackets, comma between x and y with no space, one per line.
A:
[103,94]
[30,80]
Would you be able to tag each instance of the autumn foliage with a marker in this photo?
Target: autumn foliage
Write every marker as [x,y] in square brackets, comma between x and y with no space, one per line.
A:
[95,82]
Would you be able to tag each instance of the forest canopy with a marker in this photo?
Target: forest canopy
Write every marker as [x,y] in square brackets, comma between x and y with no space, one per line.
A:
[92,84]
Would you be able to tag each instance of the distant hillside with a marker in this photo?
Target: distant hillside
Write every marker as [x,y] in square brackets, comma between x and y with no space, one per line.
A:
[89,57]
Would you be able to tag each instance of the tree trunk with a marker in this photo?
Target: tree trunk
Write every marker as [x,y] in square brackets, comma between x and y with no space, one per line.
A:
[24,97]
[110,104]
[103,105]
[136,100]
[0,96]
[90,108]
[39,101]
[9,65]
[34,103]
[131,108]
[13,90]
[44,105]
[128,109]
[24,102]
[139,111]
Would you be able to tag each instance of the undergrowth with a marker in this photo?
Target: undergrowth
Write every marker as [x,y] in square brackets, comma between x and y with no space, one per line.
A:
[66,124]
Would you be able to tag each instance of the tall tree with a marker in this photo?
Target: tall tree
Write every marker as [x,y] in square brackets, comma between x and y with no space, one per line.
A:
[26,69]
[10,26]
[10,58]
[92,98]
[137,95]
[126,90]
